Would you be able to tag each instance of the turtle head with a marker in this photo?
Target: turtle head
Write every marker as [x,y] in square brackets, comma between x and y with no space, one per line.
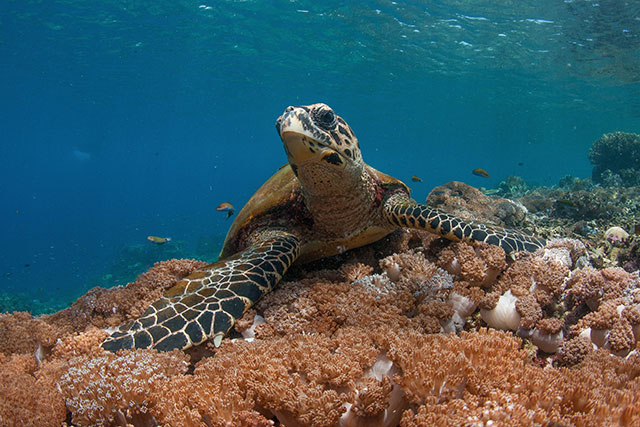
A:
[320,145]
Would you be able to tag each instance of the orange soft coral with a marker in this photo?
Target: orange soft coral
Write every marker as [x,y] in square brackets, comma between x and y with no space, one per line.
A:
[106,389]
[345,347]
[593,286]
[500,386]
[479,265]
[22,333]
[26,400]
[304,379]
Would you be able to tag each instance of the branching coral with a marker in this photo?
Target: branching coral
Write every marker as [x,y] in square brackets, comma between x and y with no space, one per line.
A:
[528,286]
[575,350]
[592,286]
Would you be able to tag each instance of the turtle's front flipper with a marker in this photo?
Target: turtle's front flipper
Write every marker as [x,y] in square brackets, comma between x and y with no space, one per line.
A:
[405,212]
[205,304]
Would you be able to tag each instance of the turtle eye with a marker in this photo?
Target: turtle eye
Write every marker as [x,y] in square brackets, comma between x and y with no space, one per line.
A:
[325,118]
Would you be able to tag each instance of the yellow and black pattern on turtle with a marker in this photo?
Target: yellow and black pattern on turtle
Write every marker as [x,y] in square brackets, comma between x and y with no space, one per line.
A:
[404,212]
[205,304]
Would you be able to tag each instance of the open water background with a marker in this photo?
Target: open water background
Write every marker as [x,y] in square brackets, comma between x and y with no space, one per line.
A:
[122,119]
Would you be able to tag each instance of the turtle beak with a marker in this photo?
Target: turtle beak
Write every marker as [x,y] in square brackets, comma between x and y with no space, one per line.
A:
[281,118]
[296,147]
[294,137]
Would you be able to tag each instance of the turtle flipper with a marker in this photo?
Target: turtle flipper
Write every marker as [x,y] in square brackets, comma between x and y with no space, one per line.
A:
[405,212]
[205,304]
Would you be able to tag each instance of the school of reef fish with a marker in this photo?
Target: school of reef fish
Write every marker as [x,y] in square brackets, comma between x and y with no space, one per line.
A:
[412,330]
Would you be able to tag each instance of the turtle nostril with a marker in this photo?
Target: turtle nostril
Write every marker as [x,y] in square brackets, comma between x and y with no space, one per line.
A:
[289,108]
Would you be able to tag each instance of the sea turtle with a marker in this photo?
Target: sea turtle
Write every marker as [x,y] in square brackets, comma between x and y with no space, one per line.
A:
[324,201]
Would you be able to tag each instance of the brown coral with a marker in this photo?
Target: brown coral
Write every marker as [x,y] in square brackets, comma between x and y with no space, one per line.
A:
[575,350]
[529,310]
[550,325]
[22,333]
[479,265]
[593,286]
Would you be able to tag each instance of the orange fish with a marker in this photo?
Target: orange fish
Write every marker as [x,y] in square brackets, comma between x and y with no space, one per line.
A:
[480,172]
[415,178]
[226,207]
[158,240]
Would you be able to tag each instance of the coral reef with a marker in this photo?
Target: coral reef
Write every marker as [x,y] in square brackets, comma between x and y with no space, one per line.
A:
[466,201]
[394,333]
[616,159]
[606,218]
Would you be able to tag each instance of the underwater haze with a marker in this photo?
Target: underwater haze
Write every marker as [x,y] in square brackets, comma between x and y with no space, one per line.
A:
[124,119]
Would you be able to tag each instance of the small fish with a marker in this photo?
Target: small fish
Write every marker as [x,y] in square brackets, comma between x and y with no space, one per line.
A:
[158,240]
[437,192]
[480,172]
[226,207]
[491,191]
[520,163]
[567,203]
[416,178]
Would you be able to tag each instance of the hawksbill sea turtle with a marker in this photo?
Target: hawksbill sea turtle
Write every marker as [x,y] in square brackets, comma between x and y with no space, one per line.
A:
[324,201]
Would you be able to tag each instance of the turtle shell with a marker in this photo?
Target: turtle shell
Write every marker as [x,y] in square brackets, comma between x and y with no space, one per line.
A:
[271,205]
[279,203]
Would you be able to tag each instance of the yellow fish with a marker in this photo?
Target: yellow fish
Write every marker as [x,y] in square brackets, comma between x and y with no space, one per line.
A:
[226,207]
[158,240]
[416,179]
[480,172]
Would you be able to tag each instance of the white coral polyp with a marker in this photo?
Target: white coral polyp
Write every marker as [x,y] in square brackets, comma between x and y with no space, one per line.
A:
[560,255]
[549,343]
[393,271]
[504,315]
[250,333]
[463,307]
[383,367]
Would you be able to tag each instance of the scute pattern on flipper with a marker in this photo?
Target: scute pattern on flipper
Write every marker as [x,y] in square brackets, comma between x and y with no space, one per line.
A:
[206,303]
[404,212]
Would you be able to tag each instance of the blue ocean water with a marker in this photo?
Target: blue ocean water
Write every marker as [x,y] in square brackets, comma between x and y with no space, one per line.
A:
[124,119]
